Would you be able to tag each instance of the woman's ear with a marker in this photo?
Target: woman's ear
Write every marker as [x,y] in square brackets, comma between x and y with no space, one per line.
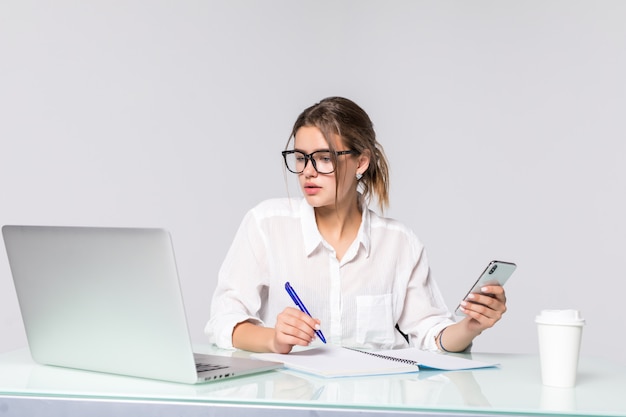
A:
[364,161]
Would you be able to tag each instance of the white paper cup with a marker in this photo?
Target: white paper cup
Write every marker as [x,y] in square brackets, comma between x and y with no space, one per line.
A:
[559,334]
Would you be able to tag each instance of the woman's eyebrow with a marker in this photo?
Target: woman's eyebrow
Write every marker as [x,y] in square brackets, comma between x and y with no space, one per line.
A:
[308,153]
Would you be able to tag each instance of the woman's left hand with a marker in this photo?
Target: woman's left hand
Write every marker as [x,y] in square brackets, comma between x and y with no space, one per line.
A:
[484,309]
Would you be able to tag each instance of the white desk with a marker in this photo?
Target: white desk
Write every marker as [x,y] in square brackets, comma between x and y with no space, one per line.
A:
[28,389]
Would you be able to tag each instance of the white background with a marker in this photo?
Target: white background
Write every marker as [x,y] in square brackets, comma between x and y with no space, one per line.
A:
[504,122]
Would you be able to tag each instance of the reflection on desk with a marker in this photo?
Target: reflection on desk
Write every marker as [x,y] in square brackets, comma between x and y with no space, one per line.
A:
[514,387]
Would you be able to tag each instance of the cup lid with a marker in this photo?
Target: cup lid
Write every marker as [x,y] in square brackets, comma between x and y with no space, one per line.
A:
[562,317]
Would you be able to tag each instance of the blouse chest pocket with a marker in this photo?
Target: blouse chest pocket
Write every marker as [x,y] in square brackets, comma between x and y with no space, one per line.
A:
[374,319]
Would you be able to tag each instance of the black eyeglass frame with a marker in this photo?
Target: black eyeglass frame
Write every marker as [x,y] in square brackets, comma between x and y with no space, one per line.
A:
[309,157]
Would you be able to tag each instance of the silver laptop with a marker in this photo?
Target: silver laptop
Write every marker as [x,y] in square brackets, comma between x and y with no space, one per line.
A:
[109,300]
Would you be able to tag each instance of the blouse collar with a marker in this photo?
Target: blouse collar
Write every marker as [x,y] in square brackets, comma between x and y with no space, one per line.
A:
[311,234]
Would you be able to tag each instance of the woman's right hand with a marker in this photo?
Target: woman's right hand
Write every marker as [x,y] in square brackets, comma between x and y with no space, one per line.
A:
[293,327]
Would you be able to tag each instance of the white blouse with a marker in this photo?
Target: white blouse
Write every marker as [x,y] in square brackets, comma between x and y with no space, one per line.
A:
[382,280]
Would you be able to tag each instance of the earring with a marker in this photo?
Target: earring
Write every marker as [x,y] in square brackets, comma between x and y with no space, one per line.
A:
[359,176]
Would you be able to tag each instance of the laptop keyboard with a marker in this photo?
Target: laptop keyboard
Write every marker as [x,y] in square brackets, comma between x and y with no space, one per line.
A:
[204,367]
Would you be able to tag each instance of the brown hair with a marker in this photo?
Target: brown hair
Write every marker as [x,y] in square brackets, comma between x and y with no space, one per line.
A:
[338,115]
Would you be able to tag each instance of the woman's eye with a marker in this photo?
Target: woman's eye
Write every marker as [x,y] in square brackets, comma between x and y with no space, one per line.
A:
[323,158]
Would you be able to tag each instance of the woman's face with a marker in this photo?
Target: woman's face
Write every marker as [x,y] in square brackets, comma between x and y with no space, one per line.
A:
[320,190]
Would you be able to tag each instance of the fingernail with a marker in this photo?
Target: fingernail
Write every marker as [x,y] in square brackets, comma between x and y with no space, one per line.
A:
[317,327]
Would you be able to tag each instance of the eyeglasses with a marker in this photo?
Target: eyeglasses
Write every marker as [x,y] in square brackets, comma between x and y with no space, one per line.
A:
[322,161]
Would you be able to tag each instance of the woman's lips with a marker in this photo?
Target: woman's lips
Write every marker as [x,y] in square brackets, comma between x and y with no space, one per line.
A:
[311,189]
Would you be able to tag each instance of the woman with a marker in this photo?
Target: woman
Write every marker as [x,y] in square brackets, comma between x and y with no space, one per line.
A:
[364,278]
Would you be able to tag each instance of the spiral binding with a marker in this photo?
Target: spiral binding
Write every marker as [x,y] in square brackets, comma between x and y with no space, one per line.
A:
[391,358]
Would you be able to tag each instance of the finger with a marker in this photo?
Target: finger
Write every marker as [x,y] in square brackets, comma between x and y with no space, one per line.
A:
[496,291]
[299,315]
[286,333]
[295,325]
[484,306]
[477,319]
[488,300]
[481,300]
[292,336]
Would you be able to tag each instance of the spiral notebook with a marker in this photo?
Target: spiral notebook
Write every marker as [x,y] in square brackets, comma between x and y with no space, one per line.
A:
[334,361]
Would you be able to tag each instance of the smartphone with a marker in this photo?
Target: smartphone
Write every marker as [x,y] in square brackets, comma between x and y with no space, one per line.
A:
[496,273]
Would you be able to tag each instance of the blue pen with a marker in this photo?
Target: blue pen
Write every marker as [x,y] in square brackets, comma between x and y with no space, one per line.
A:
[300,304]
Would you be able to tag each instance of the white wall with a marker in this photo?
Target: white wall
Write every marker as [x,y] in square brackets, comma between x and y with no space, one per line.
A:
[503,121]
